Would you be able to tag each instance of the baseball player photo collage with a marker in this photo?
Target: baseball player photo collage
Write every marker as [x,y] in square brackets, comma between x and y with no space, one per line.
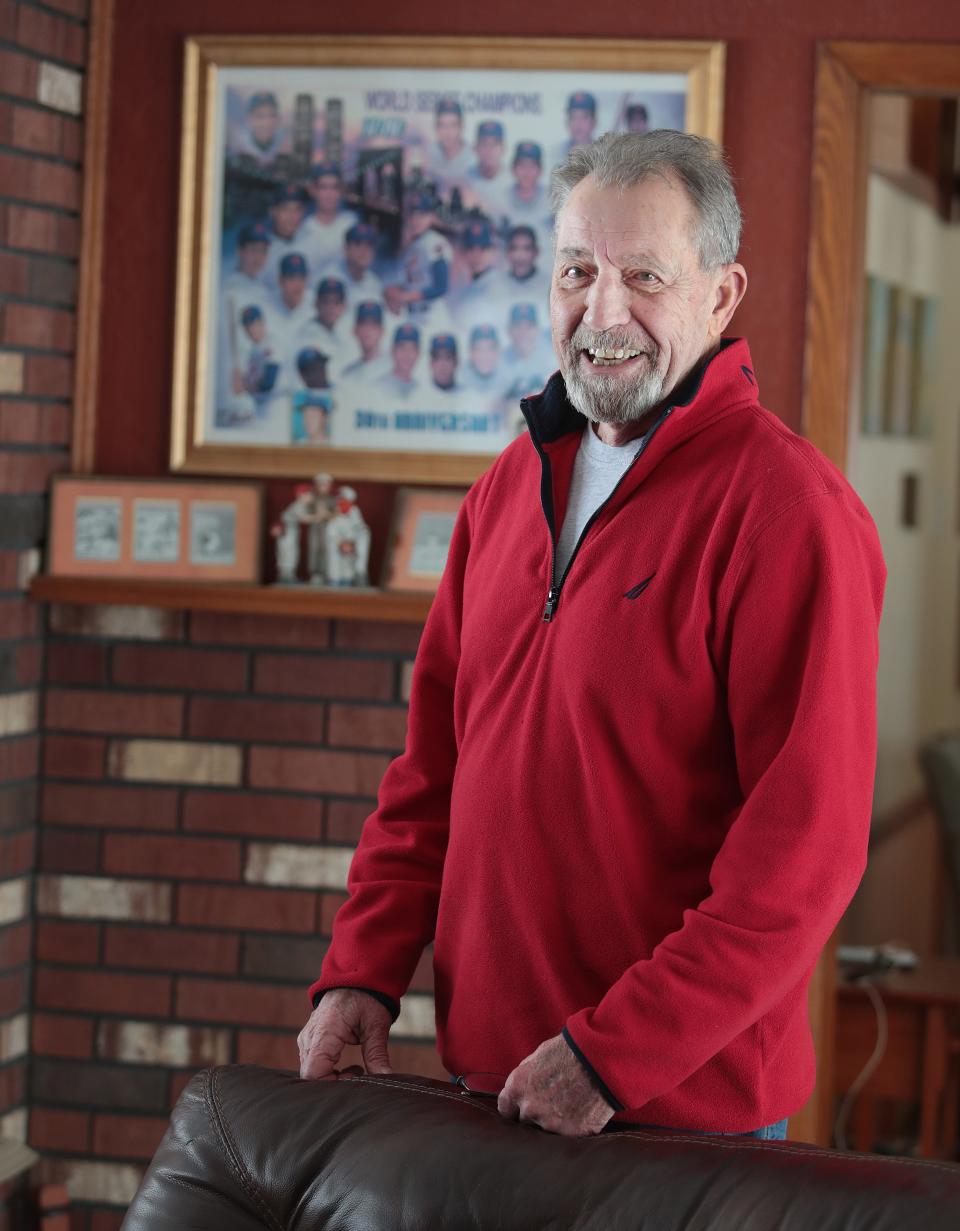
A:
[384,251]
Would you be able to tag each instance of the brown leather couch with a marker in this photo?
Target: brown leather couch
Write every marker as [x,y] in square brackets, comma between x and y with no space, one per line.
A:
[252,1148]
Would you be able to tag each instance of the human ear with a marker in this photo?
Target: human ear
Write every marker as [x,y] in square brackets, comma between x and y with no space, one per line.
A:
[731,288]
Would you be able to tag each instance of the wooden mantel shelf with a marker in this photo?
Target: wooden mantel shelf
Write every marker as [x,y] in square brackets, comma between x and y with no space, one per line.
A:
[259,600]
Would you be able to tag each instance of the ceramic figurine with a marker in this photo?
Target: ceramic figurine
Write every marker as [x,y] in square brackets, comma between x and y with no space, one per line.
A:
[324,507]
[347,539]
[286,533]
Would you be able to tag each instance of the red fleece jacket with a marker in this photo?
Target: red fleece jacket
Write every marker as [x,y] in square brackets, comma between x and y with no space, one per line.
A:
[637,822]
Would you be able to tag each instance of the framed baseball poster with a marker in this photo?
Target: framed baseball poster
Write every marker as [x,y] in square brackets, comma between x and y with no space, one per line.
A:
[365,241]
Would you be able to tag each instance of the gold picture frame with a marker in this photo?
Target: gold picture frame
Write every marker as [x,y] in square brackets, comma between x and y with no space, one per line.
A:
[245,399]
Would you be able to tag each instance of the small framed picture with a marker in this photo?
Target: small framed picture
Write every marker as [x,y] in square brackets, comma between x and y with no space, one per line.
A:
[171,530]
[423,521]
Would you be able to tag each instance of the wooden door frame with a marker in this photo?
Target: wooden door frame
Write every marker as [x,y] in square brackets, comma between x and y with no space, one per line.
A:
[96,116]
[847,73]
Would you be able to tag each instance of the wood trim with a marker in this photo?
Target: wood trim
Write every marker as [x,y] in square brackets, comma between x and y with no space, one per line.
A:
[834,257]
[915,68]
[888,823]
[247,599]
[814,1121]
[845,74]
[96,129]
[402,51]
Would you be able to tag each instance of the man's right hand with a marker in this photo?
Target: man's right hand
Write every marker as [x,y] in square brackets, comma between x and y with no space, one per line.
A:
[344,1017]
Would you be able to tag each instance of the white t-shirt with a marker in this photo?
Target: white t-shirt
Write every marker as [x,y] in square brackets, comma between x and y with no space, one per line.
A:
[596,472]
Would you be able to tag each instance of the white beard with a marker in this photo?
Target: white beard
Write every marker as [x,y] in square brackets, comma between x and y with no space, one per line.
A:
[609,399]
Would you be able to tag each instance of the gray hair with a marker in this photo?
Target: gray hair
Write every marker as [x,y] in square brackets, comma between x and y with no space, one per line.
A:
[620,160]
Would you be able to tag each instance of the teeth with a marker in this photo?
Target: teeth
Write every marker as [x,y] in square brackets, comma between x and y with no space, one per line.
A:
[601,355]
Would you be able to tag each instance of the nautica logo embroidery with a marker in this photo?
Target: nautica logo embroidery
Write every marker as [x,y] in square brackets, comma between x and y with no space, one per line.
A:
[638,589]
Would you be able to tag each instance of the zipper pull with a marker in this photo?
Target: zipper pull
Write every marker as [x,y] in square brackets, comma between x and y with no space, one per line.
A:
[553,597]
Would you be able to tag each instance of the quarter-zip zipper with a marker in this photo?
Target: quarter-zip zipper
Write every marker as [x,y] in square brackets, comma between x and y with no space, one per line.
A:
[556,585]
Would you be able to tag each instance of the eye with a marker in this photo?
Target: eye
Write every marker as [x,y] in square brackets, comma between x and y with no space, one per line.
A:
[572,272]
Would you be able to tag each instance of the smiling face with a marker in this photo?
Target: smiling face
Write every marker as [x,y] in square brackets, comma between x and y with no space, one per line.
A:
[256,330]
[522,255]
[526,171]
[478,259]
[489,156]
[524,335]
[330,307]
[369,334]
[313,422]
[325,191]
[580,123]
[443,369]
[449,130]
[263,122]
[358,257]
[485,355]
[631,311]
[287,216]
[405,355]
[251,259]
[291,290]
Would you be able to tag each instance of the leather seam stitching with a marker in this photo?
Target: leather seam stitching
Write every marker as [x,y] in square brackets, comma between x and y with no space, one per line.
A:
[462,1100]
[247,1183]
[781,1148]
[770,1146]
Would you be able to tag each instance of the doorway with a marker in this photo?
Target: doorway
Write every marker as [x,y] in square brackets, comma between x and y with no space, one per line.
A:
[853,80]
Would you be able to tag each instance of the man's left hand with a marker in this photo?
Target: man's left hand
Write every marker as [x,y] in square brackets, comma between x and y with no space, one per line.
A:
[551,1088]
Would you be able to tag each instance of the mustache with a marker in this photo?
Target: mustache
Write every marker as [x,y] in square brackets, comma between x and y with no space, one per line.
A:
[612,339]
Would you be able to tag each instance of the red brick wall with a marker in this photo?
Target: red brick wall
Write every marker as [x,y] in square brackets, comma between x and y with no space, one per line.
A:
[205,779]
[42,53]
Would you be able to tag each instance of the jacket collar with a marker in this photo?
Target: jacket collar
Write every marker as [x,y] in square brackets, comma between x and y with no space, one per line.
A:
[724,380]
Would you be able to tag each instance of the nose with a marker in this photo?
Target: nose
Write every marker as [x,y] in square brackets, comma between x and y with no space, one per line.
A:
[608,301]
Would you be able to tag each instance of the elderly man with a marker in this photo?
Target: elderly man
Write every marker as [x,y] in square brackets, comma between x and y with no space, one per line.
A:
[636,791]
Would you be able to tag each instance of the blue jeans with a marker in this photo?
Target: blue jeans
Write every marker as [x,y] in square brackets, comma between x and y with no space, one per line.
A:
[772,1132]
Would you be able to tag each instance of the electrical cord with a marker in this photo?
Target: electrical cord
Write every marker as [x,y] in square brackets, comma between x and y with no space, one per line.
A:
[843,1115]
